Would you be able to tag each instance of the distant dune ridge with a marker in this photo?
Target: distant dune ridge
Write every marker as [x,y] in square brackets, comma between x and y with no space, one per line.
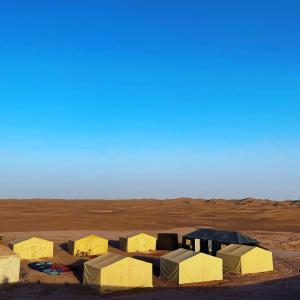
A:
[60,214]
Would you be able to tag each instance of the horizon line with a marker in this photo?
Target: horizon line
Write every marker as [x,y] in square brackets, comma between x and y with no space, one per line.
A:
[142,199]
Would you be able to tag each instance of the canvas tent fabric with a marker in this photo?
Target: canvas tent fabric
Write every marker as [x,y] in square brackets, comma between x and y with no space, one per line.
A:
[113,272]
[185,266]
[246,259]
[139,242]
[167,241]
[88,245]
[33,248]
[206,240]
[9,265]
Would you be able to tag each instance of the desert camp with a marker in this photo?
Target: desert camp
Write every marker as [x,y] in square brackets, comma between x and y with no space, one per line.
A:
[9,265]
[32,248]
[137,242]
[112,272]
[109,271]
[88,245]
[186,266]
[246,259]
[115,270]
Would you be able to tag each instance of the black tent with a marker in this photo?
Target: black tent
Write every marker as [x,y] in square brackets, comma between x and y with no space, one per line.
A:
[199,240]
[167,241]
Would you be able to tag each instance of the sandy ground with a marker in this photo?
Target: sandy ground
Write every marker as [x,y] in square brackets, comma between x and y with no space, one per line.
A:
[275,224]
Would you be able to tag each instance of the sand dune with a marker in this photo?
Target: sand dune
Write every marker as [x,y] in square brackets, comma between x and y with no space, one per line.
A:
[247,214]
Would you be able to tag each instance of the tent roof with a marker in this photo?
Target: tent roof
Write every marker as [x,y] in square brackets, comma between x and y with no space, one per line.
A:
[26,239]
[104,260]
[162,234]
[82,236]
[132,234]
[236,250]
[179,255]
[230,237]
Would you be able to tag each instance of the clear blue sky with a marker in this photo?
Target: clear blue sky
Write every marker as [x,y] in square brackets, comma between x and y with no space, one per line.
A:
[120,99]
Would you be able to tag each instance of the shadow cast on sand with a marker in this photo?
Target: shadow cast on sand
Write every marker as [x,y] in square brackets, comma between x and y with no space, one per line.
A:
[64,246]
[153,260]
[77,268]
[114,244]
[288,288]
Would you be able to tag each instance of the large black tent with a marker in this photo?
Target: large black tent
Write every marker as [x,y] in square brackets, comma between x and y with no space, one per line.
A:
[210,240]
[167,241]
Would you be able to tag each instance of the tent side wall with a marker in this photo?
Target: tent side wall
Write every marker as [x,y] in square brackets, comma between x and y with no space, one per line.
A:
[9,269]
[126,274]
[256,260]
[132,244]
[91,276]
[230,263]
[123,243]
[169,270]
[71,247]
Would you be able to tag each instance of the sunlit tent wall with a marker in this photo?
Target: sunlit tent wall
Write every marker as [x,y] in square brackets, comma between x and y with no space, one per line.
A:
[33,248]
[186,266]
[246,259]
[210,240]
[88,245]
[112,272]
[9,265]
[140,242]
[167,241]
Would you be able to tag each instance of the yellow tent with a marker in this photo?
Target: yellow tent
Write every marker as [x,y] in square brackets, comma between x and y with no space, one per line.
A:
[246,259]
[88,245]
[112,272]
[9,265]
[186,266]
[139,242]
[33,248]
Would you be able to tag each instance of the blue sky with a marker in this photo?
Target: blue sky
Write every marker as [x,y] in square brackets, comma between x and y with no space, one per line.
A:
[121,99]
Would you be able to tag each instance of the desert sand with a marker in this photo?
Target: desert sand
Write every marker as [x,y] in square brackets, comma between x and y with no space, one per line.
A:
[276,224]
